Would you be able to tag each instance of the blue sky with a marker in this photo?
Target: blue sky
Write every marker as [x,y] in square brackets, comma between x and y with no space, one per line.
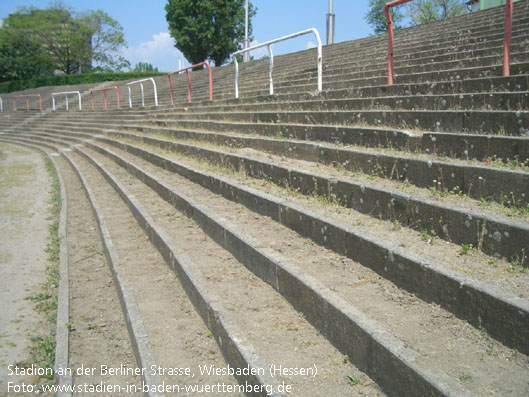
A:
[146,30]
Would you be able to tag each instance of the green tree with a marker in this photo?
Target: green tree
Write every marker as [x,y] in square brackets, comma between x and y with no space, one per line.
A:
[22,56]
[425,11]
[376,18]
[144,67]
[208,29]
[107,38]
[55,39]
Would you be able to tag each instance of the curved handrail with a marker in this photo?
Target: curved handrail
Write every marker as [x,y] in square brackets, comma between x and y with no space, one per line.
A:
[189,80]
[27,101]
[66,97]
[105,91]
[140,82]
[268,44]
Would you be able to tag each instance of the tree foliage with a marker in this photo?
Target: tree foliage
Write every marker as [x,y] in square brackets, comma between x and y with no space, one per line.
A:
[418,12]
[144,67]
[107,38]
[36,42]
[208,29]
[376,18]
[425,11]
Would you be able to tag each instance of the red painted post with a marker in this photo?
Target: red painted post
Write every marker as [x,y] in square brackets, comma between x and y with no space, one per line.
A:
[188,86]
[210,82]
[26,97]
[390,36]
[189,81]
[105,92]
[507,39]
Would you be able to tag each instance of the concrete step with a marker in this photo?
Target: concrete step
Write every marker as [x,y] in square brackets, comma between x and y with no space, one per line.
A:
[397,204]
[504,151]
[278,344]
[246,222]
[511,123]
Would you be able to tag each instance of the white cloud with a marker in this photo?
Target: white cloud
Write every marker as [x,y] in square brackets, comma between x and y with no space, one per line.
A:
[311,44]
[160,52]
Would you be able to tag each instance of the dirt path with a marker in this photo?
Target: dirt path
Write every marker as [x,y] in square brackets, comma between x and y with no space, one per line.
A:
[24,209]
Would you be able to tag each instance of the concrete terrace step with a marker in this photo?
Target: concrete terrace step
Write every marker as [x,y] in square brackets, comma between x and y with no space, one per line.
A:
[345,191]
[494,122]
[231,340]
[484,148]
[401,206]
[285,319]
[367,230]
[421,360]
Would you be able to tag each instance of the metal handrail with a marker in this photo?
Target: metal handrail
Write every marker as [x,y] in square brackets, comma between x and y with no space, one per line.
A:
[268,44]
[1,105]
[140,82]
[507,39]
[390,36]
[189,80]
[105,91]
[66,98]
[27,101]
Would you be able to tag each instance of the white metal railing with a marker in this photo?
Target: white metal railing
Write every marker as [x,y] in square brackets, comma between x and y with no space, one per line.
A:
[140,82]
[66,98]
[268,44]
[1,105]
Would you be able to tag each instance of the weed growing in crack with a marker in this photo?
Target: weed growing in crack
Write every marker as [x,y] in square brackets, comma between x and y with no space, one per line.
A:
[465,378]
[42,350]
[428,236]
[352,380]
[465,249]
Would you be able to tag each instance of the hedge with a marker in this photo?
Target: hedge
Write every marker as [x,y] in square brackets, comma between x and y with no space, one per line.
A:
[73,79]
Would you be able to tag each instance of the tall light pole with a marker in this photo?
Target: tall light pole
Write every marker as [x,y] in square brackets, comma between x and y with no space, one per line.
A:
[330,25]
[246,56]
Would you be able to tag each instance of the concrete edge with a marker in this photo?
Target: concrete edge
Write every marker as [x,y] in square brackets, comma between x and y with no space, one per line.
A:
[230,339]
[138,335]
[63,316]
[62,333]
[506,238]
[389,356]
[503,315]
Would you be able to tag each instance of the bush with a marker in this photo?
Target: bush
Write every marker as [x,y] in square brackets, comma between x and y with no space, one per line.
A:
[73,79]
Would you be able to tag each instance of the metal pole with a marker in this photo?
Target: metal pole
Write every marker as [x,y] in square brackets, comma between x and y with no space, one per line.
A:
[507,39]
[271,69]
[246,43]
[236,77]
[330,24]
